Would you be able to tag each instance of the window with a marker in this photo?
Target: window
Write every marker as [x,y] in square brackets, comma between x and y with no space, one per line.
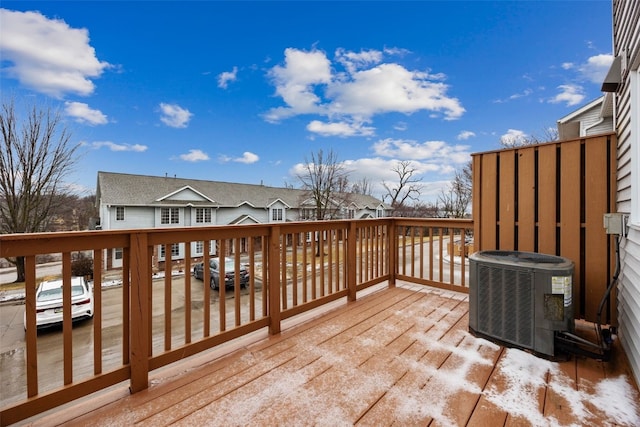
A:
[117,253]
[351,213]
[380,213]
[199,248]
[119,213]
[175,250]
[169,216]
[276,214]
[203,215]
[308,213]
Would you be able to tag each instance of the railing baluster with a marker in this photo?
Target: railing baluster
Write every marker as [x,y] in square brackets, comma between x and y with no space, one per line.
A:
[97,312]
[67,332]
[167,296]
[236,280]
[187,292]
[31,333]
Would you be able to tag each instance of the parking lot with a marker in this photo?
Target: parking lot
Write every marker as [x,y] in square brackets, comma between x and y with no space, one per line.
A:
[50,351]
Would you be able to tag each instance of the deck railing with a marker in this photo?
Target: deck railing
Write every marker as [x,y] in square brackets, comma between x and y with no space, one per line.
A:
[154,317]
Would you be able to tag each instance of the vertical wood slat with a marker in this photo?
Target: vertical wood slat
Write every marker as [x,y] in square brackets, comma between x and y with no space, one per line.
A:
[506,199]
[547,221]
[31,333]
[252,281]
[97,312]
[236,281]
[187,292]
[570,208]
[330,240]
[488,205]
[596,275]
[476,206]
[167,297]
[222,288]
[274,281]
[526,200]
[294,268]
[126,304]
[67,320]
[351,258]
[140,337]
[206,282]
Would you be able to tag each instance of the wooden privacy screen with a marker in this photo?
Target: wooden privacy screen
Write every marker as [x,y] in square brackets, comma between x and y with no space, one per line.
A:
[550,198]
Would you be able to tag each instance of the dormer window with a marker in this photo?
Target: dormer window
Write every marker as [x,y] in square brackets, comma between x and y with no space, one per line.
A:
[277,214]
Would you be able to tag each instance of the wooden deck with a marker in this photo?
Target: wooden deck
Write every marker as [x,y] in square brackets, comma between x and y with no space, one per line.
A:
[400,356]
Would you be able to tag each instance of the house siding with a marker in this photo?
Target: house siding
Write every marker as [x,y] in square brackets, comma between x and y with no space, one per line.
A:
[626,42]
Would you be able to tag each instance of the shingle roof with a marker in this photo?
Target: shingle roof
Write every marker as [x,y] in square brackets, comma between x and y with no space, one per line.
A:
[143,190]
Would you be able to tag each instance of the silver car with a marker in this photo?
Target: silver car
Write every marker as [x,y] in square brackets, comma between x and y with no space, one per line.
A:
[49,302]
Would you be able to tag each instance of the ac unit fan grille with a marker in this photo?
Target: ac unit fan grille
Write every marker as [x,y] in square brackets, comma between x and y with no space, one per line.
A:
[507,300]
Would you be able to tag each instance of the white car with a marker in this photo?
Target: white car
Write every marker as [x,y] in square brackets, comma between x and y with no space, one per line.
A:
[49,302]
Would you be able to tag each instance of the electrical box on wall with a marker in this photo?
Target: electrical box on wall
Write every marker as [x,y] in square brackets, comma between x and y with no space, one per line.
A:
[614,223]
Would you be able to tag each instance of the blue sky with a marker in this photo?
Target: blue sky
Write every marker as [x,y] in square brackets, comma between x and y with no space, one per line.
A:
[246,91]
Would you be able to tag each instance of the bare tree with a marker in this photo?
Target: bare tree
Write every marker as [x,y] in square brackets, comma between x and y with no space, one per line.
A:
[455,200]
[36,156]
[519,140]
[407,189]
[326,182]
[363,186]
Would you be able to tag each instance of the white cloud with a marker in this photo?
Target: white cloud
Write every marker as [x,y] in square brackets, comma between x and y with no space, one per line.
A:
[194,156]
[119,147]
[401,126]
[513,138]
[175,116]
[596,67]
[342,129]
[353,61]
[465,134]
[309,83]
[226,77]
[84,114]
[571,94]
[433,151]
[391,88]
[567,65]
[47,55]
[247,158]
[295,82]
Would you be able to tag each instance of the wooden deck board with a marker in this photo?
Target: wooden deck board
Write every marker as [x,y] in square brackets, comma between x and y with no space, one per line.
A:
[400,356]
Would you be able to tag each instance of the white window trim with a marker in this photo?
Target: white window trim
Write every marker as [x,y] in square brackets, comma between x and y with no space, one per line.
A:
[170,216]
[204,211]
[282,214]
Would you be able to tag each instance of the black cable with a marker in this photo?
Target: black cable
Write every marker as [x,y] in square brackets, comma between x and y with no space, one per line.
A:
[607,295]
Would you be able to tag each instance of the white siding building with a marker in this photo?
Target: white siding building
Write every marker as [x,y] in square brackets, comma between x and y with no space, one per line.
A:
[126,201]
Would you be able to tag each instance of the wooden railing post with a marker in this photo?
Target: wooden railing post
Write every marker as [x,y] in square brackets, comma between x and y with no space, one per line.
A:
[273,271]
[392,242]
[350,261]
[139,333]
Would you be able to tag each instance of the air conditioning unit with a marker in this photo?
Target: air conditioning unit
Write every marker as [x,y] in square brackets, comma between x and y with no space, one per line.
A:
[520,299]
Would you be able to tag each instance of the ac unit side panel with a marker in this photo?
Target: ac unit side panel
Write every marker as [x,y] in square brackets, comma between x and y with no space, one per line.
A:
[506,304]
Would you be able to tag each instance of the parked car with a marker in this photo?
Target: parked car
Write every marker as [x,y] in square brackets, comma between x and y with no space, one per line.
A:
[49,302]
[229,273]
